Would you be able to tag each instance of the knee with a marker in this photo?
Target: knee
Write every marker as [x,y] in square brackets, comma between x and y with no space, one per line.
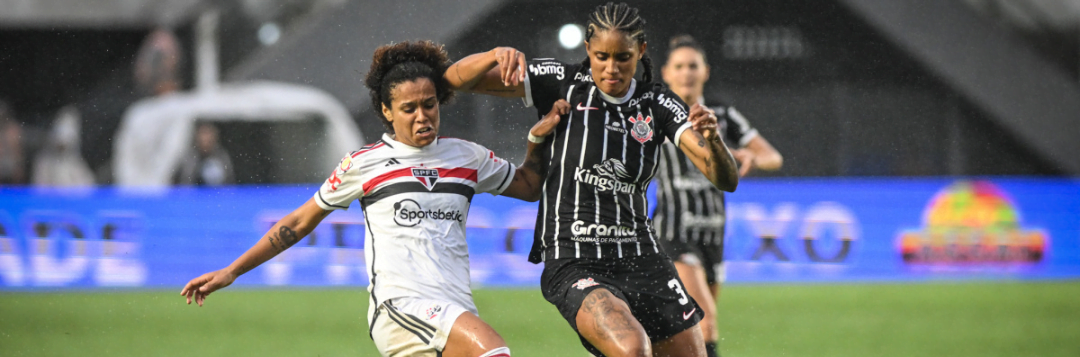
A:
[641,349]
[630,343]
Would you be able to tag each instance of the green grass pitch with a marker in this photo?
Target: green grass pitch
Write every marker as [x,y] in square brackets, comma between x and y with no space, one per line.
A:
[938,319]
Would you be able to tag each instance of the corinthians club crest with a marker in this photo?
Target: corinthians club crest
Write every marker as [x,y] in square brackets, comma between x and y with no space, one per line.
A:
[641,130]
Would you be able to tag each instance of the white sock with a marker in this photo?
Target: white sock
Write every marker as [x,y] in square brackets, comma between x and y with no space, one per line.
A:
[498,352]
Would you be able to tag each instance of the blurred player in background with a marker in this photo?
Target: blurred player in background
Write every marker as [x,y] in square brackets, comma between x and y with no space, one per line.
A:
[12,158]
[60,162]
[603,269]
[209,163]
[690,212]
[415,189]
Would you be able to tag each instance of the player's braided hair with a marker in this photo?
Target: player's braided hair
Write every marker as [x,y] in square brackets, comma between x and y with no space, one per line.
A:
[620,17]
[681,41]
[401,62]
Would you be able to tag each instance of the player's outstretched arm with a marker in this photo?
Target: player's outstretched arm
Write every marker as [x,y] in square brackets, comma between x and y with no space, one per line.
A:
[707,151]
[499,72]
[284,234]
[758,154]
[529,178]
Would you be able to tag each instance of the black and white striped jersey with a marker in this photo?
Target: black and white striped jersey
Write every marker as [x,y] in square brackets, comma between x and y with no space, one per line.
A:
[602,156]
[688,207]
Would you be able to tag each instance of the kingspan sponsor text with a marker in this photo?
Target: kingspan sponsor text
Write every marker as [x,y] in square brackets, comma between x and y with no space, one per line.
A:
[603,183]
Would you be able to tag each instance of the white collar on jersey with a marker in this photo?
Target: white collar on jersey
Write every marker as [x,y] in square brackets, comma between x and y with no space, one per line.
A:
[621,100]
[397,145]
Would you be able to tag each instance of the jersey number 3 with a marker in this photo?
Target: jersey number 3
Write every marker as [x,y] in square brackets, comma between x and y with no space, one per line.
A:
[674,284]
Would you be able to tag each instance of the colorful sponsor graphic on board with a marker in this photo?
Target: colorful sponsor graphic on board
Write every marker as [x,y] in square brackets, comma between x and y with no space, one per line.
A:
[972,222]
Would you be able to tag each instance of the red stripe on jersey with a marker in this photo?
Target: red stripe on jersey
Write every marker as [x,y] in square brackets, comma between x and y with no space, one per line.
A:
[457,172]
[385,177]
[361,151]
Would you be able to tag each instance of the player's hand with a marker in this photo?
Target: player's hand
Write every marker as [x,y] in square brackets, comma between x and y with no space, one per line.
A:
[745,158]
[199,288]
[703,120]
[511,65]
[547,124]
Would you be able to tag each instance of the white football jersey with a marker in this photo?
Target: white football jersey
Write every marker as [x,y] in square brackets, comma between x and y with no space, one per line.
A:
[416,202]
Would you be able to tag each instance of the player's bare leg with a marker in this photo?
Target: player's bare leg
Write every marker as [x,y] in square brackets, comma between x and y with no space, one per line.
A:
[684,344]
[693,278]
[606,322]
[714,288]
[472,337]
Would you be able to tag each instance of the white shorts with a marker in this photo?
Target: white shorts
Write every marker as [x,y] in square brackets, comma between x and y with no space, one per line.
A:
[413,326]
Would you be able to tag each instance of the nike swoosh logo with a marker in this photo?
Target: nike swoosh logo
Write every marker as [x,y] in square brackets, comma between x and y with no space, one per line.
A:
[581,108]
[686,315]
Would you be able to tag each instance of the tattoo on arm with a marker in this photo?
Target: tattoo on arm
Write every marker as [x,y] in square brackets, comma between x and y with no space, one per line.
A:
[246,268]
[284,238]
[534,165]
[534,160]
[700,139]
[719,164]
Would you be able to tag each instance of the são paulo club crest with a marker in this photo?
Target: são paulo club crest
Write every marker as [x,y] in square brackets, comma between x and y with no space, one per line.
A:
[433,311]
[641,130]
[426,177]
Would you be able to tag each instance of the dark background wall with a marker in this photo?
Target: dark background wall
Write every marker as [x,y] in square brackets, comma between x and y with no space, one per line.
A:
[850,104]
[842,101]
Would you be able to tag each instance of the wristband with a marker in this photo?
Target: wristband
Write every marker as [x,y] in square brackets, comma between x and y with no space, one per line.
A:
[536,139]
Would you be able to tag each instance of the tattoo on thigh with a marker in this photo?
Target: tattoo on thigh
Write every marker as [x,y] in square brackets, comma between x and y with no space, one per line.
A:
[607,319]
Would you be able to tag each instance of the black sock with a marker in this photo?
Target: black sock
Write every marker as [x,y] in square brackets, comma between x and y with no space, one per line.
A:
[710,349]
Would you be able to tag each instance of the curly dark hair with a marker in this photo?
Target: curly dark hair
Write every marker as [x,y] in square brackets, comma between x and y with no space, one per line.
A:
[401,62]
[624,18]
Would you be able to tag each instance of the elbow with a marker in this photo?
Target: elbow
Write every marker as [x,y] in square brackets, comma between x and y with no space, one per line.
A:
[300,224]
[731,185]
[458,86]
[728,183]
[774,162]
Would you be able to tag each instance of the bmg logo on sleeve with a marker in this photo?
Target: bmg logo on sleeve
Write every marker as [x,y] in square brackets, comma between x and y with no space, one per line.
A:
[408,213]
[547,68]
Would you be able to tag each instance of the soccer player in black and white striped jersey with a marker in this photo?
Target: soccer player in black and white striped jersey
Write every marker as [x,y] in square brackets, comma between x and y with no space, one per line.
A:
[690,213]
[603,268]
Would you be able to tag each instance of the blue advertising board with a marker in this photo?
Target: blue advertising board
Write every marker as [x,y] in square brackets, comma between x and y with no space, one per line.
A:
[778,230]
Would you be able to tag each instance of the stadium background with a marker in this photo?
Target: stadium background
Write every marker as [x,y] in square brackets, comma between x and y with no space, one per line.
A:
[928,204]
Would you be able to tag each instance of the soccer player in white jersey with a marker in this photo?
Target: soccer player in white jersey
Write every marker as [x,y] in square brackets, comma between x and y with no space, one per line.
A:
[415,189]
[603,268]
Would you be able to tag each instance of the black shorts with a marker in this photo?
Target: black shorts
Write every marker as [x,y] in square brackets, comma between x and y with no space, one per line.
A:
[710,256]
[648,284]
